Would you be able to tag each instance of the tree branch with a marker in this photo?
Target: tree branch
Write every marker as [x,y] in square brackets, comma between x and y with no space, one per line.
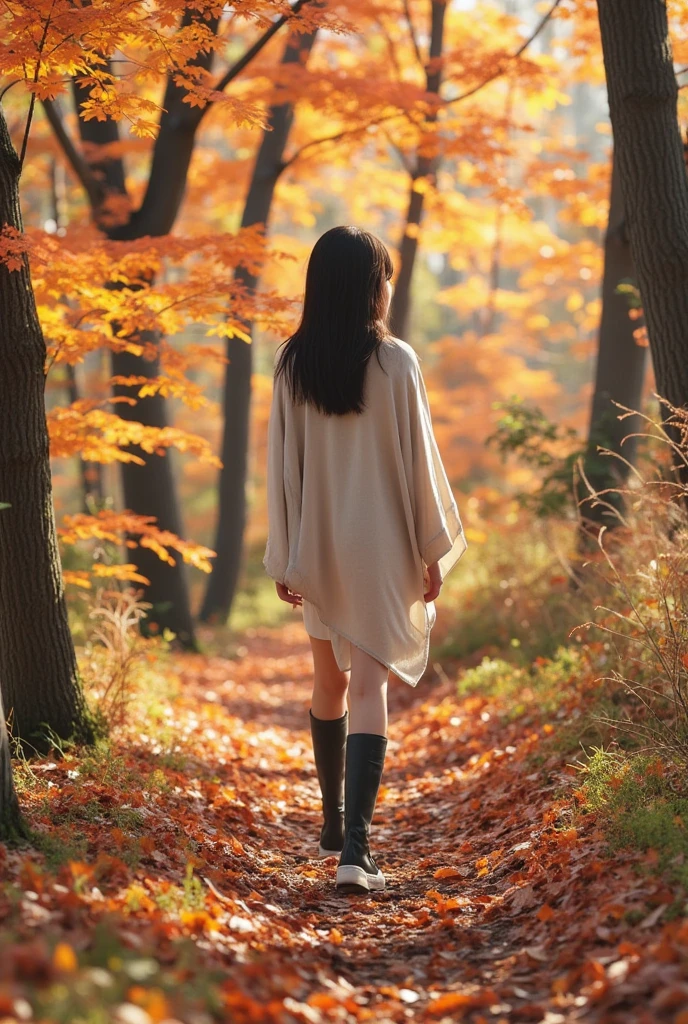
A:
[514,56]
[327,138]
[32,102]
[75,158]
[401,113]
[412,32]
[253,52]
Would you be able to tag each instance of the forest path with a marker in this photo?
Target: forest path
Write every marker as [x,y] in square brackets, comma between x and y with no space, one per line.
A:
[496,908]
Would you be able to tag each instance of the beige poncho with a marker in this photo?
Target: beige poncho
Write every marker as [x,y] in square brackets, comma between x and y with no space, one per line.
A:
[358,505]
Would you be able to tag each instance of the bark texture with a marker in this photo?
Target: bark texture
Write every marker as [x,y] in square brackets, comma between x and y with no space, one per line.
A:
[649,154]
[11,824]
[231,520]
[37,664]
[620,369]
[425,167]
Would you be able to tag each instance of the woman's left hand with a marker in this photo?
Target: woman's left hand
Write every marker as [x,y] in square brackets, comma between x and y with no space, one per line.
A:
[285,594]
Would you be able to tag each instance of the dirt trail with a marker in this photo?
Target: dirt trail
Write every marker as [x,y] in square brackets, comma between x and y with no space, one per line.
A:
[201,822]
[496,908]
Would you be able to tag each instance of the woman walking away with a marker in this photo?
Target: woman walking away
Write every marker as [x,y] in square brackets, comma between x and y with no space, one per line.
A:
[362,525]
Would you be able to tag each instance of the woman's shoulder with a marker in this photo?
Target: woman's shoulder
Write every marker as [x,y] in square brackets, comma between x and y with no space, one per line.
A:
[400,354]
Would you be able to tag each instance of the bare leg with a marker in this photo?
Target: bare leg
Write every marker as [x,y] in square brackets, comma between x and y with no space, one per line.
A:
[367,694]
[330,684]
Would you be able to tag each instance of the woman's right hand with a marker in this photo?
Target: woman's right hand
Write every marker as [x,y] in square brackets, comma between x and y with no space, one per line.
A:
[433,582]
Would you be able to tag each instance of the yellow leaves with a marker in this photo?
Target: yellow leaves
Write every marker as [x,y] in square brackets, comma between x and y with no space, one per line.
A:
[421,185]
[475,536]
[537,322]
[546,98]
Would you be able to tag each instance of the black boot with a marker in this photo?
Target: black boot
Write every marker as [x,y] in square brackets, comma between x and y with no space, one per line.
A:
[365,758]
[329,750]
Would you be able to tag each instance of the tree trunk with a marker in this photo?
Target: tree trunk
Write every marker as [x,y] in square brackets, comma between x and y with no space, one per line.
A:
[91,473]
[425,168]
[37,662]
[11,825]
[231,521]
[619,374]
[642,103]
[149,489]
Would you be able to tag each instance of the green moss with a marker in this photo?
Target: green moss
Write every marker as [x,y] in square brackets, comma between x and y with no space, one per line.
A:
[639,808]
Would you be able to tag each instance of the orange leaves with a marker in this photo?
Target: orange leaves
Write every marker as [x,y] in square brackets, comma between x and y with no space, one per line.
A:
[447,873]
[51,42]
[93,293]
[13,246]
[457,1003]
[121,528]
[64,958]
[442,904]
[545,913]
[98,436]
[187,392]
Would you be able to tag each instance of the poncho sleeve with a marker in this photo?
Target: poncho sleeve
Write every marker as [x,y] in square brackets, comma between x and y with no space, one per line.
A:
[276,557]
[439,532]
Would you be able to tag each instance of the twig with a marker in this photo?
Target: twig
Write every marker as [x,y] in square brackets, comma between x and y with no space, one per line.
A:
[253,51]
[514,56]
[412,32]
[32,103]
[75,159]
[401,113]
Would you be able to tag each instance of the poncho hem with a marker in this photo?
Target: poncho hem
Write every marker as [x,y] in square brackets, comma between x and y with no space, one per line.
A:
[404,678]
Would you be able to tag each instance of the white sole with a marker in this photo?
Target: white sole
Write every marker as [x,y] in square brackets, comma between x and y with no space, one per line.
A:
[351,878]
[322,852]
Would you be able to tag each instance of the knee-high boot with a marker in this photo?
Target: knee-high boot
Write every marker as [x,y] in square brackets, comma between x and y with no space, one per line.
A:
[329,750]
[365,758]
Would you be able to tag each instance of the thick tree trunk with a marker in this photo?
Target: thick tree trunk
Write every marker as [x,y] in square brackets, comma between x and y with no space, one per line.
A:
[37,663]
[11,824]
[231,521]
[425,168]
[649,153]
[619,373]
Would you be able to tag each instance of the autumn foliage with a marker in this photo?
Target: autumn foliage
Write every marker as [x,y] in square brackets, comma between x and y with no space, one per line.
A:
[532,822]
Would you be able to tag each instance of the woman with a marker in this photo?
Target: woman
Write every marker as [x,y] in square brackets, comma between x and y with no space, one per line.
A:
[362,525]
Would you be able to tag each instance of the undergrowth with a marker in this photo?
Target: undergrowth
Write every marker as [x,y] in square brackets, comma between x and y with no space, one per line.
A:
[637,799]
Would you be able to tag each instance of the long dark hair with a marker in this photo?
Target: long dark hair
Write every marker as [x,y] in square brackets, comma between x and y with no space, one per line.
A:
[343,322]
